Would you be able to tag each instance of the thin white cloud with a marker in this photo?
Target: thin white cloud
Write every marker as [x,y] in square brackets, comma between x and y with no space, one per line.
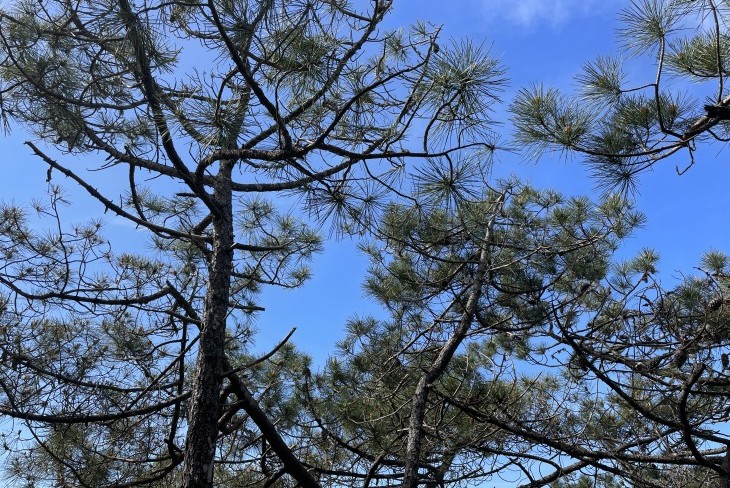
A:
[553,13]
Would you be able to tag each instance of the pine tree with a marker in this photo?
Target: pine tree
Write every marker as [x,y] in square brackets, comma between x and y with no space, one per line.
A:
[624,128]
[221,117]
[658,352]
[457,384]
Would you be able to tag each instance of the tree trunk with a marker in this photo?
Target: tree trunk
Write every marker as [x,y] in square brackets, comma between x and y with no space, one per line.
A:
[724,481]
[415,433]
[202,431]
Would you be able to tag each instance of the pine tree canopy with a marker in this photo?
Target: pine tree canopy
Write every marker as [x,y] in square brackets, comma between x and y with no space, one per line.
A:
[512,338]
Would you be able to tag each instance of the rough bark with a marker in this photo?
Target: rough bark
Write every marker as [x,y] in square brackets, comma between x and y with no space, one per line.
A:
[202,431]
[724,480]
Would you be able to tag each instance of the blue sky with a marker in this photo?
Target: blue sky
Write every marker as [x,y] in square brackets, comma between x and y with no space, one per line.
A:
[538,41]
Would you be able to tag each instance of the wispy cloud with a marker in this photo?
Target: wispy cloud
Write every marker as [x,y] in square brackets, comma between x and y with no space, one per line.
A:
[553,13]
